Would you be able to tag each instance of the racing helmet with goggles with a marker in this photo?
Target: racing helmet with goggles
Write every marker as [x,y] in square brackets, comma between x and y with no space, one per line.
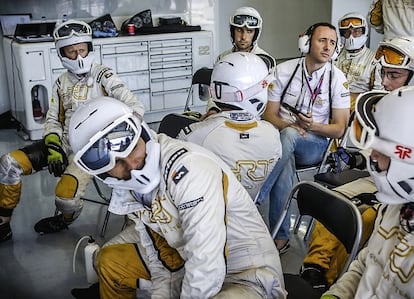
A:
[382,122]
[241,80]
[351,22]
[70,33]
[246,17]
[104,130]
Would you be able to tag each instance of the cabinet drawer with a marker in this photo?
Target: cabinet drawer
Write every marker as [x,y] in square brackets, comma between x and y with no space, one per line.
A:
[125,48]
[127,62]
[170,83]
[144,97]
[161,45]
[136,81]
[171,72]
[171,63]
[169,99]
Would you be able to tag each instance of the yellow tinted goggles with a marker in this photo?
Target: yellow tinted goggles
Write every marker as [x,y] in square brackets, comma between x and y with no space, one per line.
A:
[348,22]
[391,56]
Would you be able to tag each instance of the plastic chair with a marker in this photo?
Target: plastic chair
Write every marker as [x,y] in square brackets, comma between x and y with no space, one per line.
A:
[337,213]
[318,168]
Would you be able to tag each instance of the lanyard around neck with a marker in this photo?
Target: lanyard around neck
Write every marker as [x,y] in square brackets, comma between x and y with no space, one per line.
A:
[316,91]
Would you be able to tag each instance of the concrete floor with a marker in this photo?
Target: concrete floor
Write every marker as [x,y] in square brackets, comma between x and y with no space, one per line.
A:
[34,266]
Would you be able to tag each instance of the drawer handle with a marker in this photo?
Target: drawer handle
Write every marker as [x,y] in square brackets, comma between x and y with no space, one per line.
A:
[161,93]
[170,79]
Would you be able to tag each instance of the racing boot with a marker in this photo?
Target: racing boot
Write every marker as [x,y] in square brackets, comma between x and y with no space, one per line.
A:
[5,230]
[88,293]
[52,224]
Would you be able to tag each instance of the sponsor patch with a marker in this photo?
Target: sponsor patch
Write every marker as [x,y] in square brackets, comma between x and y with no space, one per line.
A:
[190,204]
[244,135]
[187,130]
[346,84]
[345,94]
[171,161]
[177,175]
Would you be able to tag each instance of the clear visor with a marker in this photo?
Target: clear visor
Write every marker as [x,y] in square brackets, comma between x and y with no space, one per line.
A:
[392,56]
[224,92]
[350,22]
[245,20]
[100,155]
[70,29]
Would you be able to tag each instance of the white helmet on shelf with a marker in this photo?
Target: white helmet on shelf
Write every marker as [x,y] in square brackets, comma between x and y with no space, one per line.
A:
[241,80]
[353,20]
[104,129]
[383,122]
[246,17]
[70,33]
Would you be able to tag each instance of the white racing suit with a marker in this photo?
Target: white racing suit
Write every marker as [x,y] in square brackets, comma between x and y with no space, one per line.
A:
[203,212]
[69,91]
[393,18]
[362,72]
[385,267]
[249,146]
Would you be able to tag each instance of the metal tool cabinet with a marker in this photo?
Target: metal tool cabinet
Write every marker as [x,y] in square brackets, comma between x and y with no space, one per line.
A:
[158,68]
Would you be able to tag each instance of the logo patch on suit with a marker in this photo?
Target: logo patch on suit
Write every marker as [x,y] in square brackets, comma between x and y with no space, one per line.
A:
[190,204]
[177,175]
[244,135]
[187,130]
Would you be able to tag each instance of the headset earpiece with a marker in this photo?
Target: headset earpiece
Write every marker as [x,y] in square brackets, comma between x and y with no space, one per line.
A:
[305,41]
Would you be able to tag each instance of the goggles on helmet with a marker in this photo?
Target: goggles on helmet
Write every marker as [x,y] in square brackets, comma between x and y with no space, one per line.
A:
[245,20]
[392,56]
[348,22]
[224,92]
[99,155]
[72,28]
[365,134]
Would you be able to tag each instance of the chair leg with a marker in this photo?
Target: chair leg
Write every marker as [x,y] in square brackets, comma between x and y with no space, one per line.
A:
[105,223]
[309,229]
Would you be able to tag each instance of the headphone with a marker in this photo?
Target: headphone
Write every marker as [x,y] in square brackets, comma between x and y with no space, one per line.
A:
[305,39]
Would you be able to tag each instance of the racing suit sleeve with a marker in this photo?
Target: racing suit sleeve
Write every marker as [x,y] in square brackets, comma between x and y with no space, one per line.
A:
[55,115]
[117,89]
[375,16]
[347,285]
[199,194]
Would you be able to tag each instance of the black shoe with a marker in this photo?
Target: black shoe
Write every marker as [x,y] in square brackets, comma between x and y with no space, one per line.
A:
[315,276]
[89,293]
[51,225]
[5,232]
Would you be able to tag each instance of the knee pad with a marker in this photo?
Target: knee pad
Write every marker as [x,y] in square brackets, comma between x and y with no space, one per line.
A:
[69,206]
[65,199]
[12,166]
[67,187]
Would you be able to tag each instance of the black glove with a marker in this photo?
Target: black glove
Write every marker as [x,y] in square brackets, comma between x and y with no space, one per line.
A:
[56,158]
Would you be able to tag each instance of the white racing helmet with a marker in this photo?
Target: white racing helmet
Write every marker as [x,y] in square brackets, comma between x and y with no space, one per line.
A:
[105,129]
[353,20]
[246,17]
[397,52]
[70,33]
[241,79]
[383,122]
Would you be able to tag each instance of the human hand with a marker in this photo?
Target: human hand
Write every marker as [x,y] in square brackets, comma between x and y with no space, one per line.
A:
[56,158]
[305,121]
